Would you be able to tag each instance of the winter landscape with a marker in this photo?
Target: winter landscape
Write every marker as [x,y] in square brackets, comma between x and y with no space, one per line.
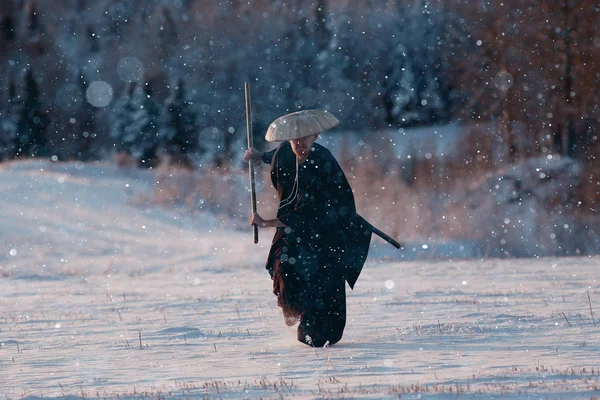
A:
[87,267]
[468,131]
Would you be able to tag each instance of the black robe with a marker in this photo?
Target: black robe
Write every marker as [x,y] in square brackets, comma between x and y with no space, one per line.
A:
[324,245]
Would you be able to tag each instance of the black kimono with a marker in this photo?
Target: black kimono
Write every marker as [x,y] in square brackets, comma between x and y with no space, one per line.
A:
[324,244]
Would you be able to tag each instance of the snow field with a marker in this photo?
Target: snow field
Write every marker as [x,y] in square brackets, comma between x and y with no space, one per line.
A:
[103,297]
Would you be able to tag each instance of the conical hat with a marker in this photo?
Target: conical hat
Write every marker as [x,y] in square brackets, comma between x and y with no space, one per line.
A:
[300,124]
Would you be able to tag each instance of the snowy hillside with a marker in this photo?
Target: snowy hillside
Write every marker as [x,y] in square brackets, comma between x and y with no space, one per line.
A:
[105,295]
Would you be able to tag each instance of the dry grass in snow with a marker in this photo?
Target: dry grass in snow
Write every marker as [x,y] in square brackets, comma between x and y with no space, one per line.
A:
[104,297]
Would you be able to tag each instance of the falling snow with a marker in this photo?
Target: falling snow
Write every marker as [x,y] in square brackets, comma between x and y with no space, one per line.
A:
[468,131]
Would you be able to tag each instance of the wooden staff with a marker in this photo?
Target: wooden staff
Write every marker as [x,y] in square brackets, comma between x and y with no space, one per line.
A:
[250,162]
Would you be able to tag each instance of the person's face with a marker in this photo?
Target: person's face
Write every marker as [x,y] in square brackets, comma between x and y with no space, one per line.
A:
[301,147]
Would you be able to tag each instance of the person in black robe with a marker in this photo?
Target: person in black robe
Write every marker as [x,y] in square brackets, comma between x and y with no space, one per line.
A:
[320,241]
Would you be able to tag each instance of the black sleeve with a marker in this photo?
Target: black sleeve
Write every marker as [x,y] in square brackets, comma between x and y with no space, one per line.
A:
[338,195]
[267,156]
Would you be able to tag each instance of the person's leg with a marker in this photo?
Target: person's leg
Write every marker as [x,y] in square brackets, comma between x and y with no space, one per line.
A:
[286,288]
[293,269]
[325,319]
[309,330]
[335,316]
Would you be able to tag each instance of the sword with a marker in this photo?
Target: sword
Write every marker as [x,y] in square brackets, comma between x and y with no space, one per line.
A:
[379,233]
[386,237]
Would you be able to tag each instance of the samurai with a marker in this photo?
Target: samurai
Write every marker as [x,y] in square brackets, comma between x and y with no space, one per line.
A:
[320,242]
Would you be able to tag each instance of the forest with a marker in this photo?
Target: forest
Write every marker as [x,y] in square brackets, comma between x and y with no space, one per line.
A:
[163,80]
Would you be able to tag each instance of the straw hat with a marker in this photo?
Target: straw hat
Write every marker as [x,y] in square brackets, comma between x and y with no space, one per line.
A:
[300,124]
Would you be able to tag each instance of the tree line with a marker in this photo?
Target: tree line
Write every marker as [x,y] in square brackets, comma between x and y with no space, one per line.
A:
[173,73]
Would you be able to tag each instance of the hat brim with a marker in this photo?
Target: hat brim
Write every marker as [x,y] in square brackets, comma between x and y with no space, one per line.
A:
[300,124]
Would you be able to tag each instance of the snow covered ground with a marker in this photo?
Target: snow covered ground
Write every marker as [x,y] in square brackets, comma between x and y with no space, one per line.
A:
[102,295]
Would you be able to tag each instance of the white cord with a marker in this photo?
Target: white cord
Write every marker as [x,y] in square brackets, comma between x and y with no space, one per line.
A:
[290,199]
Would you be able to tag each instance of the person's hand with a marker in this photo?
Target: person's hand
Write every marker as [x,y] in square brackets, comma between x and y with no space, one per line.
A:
[252,154]
[257,220]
